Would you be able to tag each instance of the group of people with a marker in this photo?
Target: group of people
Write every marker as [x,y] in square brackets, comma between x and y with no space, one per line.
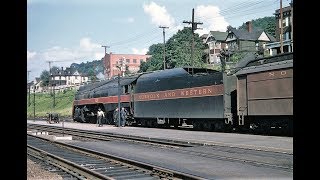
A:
[123,116]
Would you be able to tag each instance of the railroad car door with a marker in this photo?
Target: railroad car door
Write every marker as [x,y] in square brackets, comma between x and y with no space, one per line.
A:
[229,97]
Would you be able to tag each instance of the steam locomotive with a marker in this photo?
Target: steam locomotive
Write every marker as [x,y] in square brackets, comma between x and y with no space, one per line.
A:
[259,96]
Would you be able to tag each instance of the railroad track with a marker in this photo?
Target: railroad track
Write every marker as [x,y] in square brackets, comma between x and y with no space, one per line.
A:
[83,163]
[233,154]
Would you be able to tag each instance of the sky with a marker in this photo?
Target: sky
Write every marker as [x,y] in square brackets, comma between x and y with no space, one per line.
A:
[74,31]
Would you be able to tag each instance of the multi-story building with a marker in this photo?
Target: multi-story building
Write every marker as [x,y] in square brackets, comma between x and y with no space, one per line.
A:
[248,39]
[216,41]
[68,76]
[287,29]
[116,63]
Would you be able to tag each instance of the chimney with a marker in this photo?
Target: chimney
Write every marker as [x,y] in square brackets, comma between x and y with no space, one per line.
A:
[249,26]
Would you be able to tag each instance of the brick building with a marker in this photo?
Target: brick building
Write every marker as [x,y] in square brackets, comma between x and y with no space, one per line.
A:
[132,61]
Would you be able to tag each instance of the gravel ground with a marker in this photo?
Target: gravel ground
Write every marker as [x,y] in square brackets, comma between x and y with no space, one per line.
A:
[35,172]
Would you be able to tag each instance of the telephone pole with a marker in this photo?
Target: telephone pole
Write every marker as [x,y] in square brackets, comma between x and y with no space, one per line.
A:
[193,28]
[29,103]
[104,60]
[164,46]
[281,28]
[50,84]
[34,104]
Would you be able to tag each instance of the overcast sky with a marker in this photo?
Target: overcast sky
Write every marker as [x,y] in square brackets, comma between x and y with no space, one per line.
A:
[73,31]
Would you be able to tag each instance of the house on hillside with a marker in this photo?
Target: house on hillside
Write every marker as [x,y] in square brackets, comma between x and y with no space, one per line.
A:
[248,39]
[287,29]
[35,86]
[203,37]
[67,78]
[216,41]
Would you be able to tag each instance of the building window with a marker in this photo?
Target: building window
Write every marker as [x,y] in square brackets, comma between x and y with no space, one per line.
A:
[134,61]
[141,60]
[128,60]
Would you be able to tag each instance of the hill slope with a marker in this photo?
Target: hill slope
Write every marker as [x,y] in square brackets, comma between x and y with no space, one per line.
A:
[44,104]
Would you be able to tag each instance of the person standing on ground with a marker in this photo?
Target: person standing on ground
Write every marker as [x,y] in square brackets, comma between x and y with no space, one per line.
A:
[115,117]
[100,115]
[123,116]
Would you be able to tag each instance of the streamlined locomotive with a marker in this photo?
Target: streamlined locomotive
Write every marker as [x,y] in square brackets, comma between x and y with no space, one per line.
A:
[258,96]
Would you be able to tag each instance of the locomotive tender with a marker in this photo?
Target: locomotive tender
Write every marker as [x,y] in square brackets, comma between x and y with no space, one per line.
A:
[258,96]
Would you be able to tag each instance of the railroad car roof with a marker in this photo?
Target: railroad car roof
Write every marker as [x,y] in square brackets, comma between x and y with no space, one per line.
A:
[91,86]
[268,63]
[128,79]
[107,83]
[175,72]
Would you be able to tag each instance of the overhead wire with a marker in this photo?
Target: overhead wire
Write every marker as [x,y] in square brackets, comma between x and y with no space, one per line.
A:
[238,10]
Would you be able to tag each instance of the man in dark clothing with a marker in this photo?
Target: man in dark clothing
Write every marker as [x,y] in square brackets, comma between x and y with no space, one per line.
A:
[123,116]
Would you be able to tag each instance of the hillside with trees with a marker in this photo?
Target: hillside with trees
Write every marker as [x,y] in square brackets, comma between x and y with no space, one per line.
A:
[268,24]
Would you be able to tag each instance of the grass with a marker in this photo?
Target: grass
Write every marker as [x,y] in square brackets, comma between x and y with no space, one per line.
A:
[44,104]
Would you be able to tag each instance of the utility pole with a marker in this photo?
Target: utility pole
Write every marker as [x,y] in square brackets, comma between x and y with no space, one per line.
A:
[29,103]
[281,28]
[193,27]
[50,76]
[54,95]
[34,104]
[50,84]
[105,60]
[119,91]
[164,46]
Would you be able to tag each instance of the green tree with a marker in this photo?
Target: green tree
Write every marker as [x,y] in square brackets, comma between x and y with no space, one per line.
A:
[178,52]
[179,49]
[44,77]
[156,60]
[92,75]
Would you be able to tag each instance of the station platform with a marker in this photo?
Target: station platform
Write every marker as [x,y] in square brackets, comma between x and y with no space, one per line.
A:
[257,142]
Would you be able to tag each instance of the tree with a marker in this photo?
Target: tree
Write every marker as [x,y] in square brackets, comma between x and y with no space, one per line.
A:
[178,52]
[44,77]
[92,75]
[156,59]
[179,49]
